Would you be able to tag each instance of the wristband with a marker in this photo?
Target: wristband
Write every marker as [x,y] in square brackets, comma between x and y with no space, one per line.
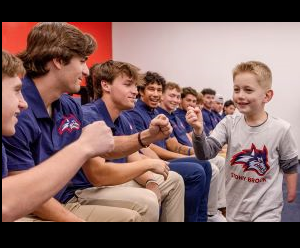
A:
[150,181]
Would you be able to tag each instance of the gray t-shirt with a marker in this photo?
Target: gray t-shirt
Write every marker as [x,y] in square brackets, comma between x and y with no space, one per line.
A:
[255,156]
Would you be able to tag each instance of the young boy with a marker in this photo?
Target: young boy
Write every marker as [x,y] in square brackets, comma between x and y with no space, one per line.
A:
[17,190]
[260,148]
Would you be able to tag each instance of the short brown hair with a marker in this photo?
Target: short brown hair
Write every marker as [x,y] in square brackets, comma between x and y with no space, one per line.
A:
[188,91]
[11,65]
[172,86]
[261,70]
[49,40]
[109,71]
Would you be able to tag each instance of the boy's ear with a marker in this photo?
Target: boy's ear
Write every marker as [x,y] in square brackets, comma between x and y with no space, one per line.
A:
[105,86]
[269,95]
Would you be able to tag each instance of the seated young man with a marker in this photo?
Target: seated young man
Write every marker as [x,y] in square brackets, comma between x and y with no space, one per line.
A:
[171,99]
[115,87]
[17,197]
[196,174]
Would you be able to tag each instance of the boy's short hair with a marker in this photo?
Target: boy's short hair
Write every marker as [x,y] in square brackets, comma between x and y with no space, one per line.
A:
[261,70]
[188,91]
[208,91]
[109,71]
[172,86]
[11,65]
[151,78]
[49,40]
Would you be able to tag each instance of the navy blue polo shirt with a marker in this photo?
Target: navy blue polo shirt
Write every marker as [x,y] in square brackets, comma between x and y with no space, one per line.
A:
[210,121]
[97,111]
[179,130]
[4,162]
[142,116]
[218,116]
[181,114]
[38,136]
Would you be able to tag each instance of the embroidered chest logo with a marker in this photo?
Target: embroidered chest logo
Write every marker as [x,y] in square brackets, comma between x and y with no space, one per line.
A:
[68,124]
[252,160]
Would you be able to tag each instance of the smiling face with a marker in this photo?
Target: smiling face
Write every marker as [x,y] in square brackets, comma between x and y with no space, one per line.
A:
[71,75]
[249,96]
[171,100]
[152,94]
[122,91]
[12,104]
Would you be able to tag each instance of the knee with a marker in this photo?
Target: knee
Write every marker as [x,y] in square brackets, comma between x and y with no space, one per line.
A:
[134,216]
[151,207]
[176,180]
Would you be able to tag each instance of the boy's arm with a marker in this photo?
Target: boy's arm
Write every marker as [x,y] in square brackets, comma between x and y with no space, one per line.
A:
[204,148]
[289,162]
[291,180]
[290,168]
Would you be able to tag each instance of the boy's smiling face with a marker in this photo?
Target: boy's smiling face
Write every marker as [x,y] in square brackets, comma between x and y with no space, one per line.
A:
[250,97]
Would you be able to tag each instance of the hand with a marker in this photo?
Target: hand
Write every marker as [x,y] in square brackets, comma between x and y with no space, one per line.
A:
[97,138]
[155,188]
[195,119]
[160,128]
[159,166]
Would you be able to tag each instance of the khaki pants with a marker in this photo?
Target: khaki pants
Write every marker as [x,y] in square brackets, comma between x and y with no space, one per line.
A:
[172,196]
[132,196]
[128,202]
[95,213]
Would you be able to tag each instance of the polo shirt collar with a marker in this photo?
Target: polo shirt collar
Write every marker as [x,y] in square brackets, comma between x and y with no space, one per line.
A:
[35,101]
[103,111]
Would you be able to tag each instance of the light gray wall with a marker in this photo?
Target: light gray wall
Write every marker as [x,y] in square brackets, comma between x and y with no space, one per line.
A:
[204,54]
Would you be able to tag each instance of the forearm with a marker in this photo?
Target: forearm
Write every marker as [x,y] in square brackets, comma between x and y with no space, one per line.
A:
[291,180]
[181,149]
[52,210]
[126,145]
[110,174]
[205,148]
[142,180]
[50,176]
[148,153]
[165,154]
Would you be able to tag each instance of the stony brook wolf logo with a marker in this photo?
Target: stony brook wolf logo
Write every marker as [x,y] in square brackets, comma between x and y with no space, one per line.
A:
[68,124]
[252,160]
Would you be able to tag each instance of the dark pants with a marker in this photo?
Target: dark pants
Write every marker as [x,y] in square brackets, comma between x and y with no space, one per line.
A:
[196,175]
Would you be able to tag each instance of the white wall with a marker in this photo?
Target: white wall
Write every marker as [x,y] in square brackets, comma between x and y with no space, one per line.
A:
[204,54]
